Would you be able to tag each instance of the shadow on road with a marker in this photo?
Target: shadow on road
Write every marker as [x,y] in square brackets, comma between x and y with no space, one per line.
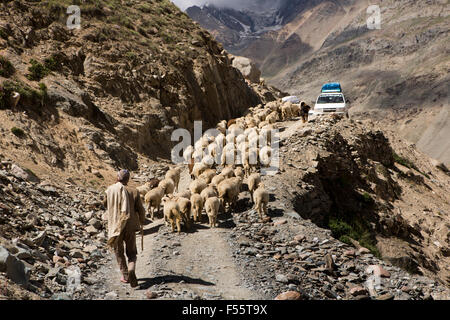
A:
[275,212]
[148,282]
[152,230]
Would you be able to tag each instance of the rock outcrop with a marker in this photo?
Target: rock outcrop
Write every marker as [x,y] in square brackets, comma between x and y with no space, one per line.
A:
[248,69]
[347,176]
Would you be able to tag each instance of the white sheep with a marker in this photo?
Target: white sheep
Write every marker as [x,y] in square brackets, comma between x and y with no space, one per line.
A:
[217,179]
[174,174]
[208,192]
[253,182]
[265,156]
[261,197]
[212,206]
[172,213]
[196,206]
[185,210]
[250,161]
[286,112]
[227,172]
[152,200]
[198,169]
[168,185]
[273,117]
[229,190]
[184,194]
[197,186]
[239,172]
[208,175]
[187,154]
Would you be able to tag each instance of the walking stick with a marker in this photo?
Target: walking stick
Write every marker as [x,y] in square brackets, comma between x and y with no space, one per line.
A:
[142,238]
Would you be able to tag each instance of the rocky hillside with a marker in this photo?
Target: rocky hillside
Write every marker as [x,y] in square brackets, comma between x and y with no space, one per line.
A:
[349,177]
[51,235]
[398,74]
[111,92]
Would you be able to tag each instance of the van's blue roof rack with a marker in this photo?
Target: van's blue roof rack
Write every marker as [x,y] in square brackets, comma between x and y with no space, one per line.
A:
[332,87]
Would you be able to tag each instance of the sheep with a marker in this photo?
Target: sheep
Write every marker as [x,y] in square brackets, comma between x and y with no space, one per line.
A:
[227,172]
[197,155]
[184,194]
[222,126]
[153,183]
[221,140]
[230,139]
[168,185]
[191,164]
[251,122]
[231,122]
[208,192]
[174,174]
[217,179]
[295,110]
[266,133]
[213,149]
[228,158]
[250,131]
[185,210]
[273,117]
[261,197]
[196,206]
[240,123]
[235,129]
[239,172]
[241,138]
[198,169]
[212,206]
[263,124]
[152,200]
[250,160]
[187,154]
[253,141]
[265,156]
[253,182]
[172,213]
[286,111]
[208,161]
[197,186]
[273,106]
[229,191]
[207,175]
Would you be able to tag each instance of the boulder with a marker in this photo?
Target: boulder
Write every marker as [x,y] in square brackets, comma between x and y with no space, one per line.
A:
[281,278]
[91,230]
[14,268]
[95,223]
[247,68]
[20,173]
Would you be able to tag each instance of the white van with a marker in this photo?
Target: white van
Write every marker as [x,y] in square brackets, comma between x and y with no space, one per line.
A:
[331,100]
[330,103]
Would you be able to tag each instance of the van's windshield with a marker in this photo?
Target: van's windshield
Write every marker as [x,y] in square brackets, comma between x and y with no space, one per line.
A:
[331,99]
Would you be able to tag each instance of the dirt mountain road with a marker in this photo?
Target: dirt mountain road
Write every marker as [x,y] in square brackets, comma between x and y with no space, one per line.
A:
[192,265]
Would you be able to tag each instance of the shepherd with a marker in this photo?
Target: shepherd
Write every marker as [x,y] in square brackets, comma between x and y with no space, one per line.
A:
[125,215]
[304,110]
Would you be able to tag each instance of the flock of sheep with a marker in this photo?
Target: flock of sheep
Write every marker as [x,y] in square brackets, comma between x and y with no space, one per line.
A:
[240,148]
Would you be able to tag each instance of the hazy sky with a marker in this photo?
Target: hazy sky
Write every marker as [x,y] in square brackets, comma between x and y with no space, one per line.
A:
[184,4]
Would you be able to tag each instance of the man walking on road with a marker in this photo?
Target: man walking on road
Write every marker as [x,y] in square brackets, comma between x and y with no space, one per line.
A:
[124,213]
